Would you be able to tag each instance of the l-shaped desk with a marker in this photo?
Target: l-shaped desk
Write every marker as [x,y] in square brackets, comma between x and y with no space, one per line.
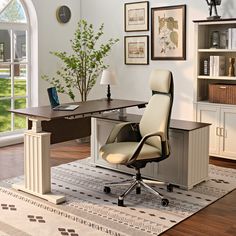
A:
[190,142]
[46,127]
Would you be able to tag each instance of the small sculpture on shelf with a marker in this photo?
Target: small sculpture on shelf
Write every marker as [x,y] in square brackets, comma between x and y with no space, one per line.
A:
[215,39]
[231,66]
[212,4]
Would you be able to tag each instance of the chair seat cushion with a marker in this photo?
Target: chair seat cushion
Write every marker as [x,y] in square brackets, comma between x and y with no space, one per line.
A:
[120,153]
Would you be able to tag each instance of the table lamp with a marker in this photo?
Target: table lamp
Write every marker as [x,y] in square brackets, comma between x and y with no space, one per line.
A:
[108,78]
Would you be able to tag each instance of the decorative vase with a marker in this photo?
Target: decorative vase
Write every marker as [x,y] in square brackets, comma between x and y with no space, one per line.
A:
[231,66]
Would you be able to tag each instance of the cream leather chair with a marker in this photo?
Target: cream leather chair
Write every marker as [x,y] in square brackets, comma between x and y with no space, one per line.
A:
[135,145]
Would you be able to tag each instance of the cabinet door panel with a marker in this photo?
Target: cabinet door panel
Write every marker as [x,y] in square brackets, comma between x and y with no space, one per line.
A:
[211,114]
[170,170]
[101,131]
[228,123]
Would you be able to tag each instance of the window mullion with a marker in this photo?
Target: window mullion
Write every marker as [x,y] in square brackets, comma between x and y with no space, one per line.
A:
[28,82]
[12,77]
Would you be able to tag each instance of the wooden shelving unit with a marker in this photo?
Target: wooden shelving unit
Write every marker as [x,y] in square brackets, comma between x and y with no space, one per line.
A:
[221,116]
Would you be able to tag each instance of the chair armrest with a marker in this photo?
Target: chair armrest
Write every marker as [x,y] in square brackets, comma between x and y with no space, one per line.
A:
[116,131]
[164,146]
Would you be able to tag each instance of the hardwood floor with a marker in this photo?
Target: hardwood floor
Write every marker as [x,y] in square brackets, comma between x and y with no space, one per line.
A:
[217,219]
[12,157]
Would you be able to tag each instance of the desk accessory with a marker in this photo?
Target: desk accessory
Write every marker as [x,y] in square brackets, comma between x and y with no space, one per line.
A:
[108,78]
[55,104]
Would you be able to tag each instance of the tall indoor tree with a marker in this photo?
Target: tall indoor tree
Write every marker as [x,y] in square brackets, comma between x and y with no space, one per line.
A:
[81,69]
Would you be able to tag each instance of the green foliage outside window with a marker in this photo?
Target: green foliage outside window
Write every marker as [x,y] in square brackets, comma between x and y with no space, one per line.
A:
[12,12]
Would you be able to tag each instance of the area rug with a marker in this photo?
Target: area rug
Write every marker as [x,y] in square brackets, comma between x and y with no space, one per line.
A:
[89,211]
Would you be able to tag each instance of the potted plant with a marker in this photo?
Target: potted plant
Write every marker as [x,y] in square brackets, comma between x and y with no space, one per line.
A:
[81,69]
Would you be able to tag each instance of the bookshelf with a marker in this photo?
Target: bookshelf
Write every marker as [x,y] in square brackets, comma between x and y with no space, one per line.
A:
[227,78]
[222,116]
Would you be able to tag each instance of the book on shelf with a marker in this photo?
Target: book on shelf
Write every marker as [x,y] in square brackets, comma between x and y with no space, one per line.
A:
[232,38]
[211,66]
[206,67]
[217,65]
[229,38]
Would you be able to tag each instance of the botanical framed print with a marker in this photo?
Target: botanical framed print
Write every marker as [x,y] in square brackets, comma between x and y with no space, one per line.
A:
[136,16]
[168,33]
[136,50]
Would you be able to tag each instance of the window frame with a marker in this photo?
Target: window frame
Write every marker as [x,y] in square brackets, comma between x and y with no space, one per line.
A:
[14,27]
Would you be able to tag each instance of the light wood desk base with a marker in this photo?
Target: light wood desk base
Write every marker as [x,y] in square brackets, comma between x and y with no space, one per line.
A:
[37,164]
[50,197]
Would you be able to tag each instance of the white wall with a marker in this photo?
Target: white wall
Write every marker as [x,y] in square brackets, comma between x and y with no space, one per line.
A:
[133,79]
[52,36]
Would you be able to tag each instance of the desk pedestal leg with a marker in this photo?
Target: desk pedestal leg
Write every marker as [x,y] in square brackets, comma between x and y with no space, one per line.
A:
[37,167]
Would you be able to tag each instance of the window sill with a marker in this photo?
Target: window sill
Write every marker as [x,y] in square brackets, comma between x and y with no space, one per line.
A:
[11,140]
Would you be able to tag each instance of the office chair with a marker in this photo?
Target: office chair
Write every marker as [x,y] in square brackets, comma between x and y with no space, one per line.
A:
[134,145]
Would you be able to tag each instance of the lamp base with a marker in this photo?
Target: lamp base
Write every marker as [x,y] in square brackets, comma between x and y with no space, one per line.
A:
[108,93]
[106,99]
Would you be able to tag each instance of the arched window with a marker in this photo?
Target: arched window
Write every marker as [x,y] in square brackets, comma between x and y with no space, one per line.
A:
[14,65]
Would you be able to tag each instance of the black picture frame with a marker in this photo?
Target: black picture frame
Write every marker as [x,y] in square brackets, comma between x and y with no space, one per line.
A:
[136,50]
[136,16]
[168,33]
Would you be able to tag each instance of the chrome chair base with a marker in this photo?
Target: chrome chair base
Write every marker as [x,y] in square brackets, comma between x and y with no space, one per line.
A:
[137,182]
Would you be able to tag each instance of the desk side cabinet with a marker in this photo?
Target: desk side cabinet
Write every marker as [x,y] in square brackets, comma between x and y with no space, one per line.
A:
[186,166]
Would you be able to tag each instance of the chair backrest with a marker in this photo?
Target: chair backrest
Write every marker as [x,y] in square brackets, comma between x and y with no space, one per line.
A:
[157,114]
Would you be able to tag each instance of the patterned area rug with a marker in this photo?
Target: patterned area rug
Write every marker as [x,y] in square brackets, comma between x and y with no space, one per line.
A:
[89,211]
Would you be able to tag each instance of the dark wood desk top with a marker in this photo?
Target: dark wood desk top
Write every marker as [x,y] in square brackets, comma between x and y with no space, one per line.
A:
[174,124]
[85,108]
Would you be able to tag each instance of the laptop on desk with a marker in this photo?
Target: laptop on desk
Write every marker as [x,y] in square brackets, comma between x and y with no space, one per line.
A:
[55,104]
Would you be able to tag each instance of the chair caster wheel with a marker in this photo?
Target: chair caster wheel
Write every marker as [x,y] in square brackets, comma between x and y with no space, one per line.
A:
[120,202]
[164,202]
[107,189]
[169,188]
[138,190]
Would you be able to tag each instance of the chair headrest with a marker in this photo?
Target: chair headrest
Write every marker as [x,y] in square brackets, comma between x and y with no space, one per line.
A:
[160,81]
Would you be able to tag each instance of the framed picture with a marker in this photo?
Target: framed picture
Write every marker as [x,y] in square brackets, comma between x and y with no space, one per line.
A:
[137,16]
[137,50]
[168,33]
[1,51]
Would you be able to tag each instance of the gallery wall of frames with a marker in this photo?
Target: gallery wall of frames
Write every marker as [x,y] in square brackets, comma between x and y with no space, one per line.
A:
[168,33]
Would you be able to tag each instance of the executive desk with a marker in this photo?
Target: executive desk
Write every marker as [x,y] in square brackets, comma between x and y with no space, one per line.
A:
[187,164]
[46,127]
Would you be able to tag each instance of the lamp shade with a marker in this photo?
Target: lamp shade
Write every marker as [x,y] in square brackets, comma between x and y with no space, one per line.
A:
[108,77]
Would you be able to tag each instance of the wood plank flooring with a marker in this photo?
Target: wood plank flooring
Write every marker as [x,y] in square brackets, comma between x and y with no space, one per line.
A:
[218,219]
